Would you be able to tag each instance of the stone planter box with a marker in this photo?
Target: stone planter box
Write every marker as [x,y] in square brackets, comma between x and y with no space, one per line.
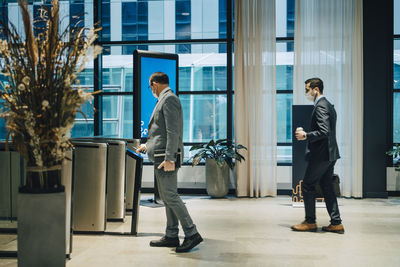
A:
[41,229]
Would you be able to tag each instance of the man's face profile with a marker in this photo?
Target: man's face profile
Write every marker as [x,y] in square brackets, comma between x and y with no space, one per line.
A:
[308,88]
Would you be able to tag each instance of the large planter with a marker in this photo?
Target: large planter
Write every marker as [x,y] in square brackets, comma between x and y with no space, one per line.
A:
[41,230]
[217,179]
[393,179]
[43,180]
[41,219]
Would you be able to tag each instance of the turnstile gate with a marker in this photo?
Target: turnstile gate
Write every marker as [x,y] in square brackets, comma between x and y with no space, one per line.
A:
[89,189]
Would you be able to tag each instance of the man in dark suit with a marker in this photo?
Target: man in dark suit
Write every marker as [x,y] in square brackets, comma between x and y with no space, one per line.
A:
[322,153]
[165,134]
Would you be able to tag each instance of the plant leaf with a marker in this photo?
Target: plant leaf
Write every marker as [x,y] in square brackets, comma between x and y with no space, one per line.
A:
[241,147]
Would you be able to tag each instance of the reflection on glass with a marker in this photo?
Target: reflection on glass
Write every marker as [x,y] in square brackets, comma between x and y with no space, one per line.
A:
[105,34]
[118,116]
[86,79]
[396,17]
[117,71]
[3,132]
[84,123]
[83,128]
[183,25]
[284,53]
[202,70]
[284,154]
[285,18]
[204,117]
[77,12]
[284,117]
[163,20]
[205,66]
[284,77]
[396,65]
[396,117]
[284,81]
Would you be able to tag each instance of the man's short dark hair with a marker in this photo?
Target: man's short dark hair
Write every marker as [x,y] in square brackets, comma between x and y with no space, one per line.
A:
[316,82]
[159,77]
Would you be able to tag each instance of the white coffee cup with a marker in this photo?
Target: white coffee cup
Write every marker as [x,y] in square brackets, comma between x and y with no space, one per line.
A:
[298,129]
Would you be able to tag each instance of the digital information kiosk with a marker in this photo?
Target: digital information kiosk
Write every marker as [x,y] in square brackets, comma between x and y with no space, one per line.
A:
[146,63]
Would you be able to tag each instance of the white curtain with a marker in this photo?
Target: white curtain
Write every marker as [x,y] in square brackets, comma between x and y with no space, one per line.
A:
[328,45]
[255,97]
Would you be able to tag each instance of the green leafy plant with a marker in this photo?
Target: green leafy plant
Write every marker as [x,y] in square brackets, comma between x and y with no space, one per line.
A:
[395,153]
[222,150]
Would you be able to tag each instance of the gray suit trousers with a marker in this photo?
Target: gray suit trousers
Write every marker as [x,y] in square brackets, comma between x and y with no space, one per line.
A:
[174,207]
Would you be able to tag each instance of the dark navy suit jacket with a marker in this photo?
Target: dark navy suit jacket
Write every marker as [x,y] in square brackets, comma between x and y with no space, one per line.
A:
[322,145]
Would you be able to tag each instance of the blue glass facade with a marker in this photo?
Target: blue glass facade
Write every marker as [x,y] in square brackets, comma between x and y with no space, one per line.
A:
[105,22]
[183,25]
[134,24]
[203,67]
[77,13]
[222,20]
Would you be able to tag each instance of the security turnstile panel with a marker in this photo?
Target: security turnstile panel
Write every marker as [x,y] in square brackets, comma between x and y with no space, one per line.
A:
[116,180]
[89,195]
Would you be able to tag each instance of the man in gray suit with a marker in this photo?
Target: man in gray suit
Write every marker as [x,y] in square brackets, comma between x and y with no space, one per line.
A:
[165,135]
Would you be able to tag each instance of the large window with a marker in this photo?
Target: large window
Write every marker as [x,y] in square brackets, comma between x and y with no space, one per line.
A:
[284,78]
[197,31]
[201,32]
[76,12]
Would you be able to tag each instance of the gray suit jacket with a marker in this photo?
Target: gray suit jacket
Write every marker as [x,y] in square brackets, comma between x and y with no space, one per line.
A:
[166,126]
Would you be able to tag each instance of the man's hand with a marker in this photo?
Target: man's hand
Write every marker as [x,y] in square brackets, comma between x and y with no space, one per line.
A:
[142,149]
[169,166]
[301,135]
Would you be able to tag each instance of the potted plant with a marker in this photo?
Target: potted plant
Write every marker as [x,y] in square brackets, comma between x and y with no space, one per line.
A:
[393,173]
[41,96]
[395,153]
[219,156]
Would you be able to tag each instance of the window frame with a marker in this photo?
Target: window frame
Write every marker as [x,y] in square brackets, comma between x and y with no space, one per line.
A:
[228,41]
[396,37]
[288,91]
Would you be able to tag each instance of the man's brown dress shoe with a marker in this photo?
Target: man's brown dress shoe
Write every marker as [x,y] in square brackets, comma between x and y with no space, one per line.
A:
[305,227]
[339,229]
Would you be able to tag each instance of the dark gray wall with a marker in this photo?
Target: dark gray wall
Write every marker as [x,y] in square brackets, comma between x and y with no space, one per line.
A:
[378,96]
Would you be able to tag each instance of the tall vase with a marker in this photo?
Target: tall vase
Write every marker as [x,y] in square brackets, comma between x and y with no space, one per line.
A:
[41,219]
[217,179]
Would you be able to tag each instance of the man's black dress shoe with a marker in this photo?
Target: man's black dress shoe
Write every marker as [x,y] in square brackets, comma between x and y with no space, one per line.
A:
[165,241]
[189,243]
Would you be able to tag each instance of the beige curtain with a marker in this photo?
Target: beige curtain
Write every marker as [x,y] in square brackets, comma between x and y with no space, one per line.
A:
[255,97]
[328,45]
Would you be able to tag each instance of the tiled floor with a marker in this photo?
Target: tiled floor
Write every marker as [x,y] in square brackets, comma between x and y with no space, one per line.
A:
[250,232]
